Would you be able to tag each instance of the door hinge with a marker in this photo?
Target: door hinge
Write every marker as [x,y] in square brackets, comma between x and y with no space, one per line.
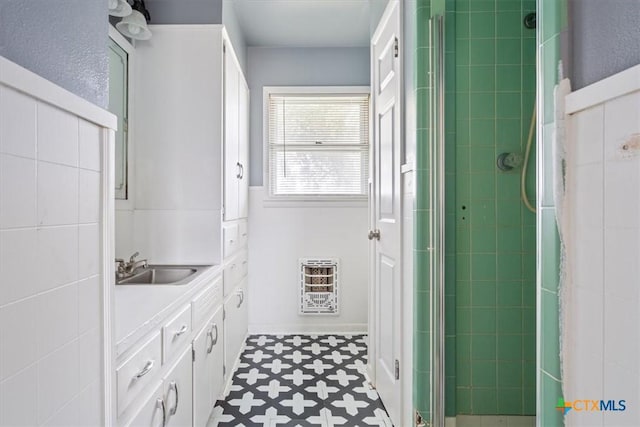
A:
[397,369]
[396,49]
[224,314]
[125,125]
[224,48]
[193,354]
[224,370]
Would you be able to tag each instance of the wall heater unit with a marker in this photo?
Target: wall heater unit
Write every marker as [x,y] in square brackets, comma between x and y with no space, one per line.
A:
[319,281]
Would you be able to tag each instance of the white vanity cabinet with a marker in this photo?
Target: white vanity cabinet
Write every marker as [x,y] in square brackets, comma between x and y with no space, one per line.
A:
[175,373]
[236,323]
[153,412]
[208,365]
[178,392]
[191,204]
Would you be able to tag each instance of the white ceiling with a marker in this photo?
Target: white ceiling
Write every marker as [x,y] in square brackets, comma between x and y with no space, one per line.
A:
[307,23]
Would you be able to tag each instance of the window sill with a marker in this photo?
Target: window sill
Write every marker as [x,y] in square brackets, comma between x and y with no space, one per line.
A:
[354,202]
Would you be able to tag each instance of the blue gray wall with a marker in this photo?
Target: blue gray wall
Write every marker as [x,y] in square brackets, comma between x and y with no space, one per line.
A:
[185,11]
[605,38]
[297,67]
[230,21]
[201,12]
[64,41]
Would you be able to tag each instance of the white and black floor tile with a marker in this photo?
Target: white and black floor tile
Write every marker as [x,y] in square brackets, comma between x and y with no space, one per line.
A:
[301,380]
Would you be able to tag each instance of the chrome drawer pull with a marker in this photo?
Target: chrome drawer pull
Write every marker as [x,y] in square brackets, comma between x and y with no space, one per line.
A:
[241,296]
[160,405]
[182,330]
[214,341]
[147,367]
[173,386]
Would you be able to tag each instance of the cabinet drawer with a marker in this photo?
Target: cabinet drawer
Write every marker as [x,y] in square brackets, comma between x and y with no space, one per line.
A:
[205,303]
[230,239]
[138,371]
[244,264]
[230,275]
[152,413]
[176,334]
[243,235]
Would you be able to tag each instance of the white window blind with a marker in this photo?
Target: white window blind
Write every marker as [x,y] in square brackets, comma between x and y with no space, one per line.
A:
[318,144]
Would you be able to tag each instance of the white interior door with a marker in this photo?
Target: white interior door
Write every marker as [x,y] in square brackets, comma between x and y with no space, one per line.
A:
[386,210]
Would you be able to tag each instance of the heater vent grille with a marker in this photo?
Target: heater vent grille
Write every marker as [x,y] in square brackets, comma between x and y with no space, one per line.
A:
[319,286]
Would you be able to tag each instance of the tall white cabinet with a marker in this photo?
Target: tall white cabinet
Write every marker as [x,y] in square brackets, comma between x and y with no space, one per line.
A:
[236,141]
[191,204]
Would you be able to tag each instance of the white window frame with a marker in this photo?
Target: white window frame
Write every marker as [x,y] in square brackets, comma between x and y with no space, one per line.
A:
[129,48]
[306,200]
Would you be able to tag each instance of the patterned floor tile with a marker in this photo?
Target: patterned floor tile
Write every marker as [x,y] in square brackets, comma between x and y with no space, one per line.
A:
[301,380]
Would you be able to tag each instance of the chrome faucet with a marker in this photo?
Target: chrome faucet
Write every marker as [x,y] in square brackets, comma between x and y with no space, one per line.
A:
[127,269]
[132,265]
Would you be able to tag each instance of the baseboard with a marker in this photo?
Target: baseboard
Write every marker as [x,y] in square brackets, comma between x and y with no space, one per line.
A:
[345,328]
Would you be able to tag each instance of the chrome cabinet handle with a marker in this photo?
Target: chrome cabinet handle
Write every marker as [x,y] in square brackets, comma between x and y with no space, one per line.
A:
[147,367]
[160,405]
[239,174]
[241,296]
[173,386]
[241,171]
[182,330]
[374,234]
[215,326]
[214,341]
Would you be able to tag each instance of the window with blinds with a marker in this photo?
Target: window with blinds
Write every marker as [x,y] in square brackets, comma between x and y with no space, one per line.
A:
[318,144]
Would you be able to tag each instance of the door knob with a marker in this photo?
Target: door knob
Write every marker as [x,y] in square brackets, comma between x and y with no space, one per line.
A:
[374,234]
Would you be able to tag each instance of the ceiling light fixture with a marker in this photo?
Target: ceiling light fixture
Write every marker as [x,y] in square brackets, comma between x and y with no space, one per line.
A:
[119,8]
[134,26]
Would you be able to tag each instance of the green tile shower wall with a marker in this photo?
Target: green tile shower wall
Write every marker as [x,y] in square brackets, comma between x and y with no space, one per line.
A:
[422,327]
[492,273]
[552,22]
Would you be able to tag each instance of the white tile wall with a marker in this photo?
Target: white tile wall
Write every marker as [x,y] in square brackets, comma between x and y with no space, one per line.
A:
[50,265]
[57,136]
[19,397]
[88,298]
[57,318]
[601,317]
[57,194]
[57,380]
[17,123]
[89,150]
[56,256]
[18,255]
[18,191]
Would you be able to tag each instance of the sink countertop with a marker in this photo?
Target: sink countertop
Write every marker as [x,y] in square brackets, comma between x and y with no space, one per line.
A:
[141,308]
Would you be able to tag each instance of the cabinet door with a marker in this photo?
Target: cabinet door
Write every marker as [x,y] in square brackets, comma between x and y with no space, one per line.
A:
[207,369]
[232,167]
[178,393]
[202,376]
[152,413]
[243,149]
[235,325]
[216,357]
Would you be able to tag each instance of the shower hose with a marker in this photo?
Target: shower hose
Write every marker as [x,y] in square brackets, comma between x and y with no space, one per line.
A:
[527,153]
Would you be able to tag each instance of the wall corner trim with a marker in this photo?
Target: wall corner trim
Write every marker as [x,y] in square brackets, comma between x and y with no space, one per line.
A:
[619,84]
[23,80]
